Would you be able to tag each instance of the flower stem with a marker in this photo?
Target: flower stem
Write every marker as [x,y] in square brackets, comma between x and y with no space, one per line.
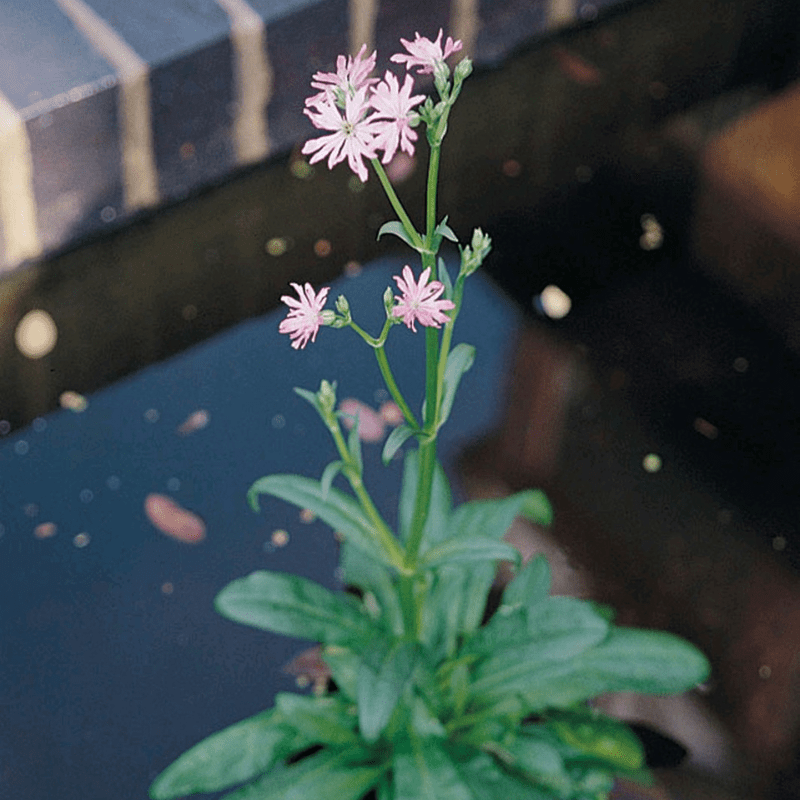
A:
[385,536]
[396,204]
[394,390]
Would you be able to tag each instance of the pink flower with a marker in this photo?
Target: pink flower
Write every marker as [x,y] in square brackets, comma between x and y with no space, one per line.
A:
[394,106]
[305,315]
[351,75]
[353,134]
[420,301]
[424,53]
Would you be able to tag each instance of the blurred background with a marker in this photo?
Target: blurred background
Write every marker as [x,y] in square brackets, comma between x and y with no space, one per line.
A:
[637,165]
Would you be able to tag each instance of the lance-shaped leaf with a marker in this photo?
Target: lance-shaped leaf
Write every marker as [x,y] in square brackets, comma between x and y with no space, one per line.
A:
[396,229]
[233,755]
[423,770]
[465,549]
[323,720]
[488,781]
[459,360]
[559,629]
[294,606]
[628,660]
[334,773]
[337,509]
[436,526]
[530,586]
[487,517]
[379,690]
[396,439]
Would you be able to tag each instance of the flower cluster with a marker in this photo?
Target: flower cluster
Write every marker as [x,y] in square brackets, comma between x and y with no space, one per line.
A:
[366,116]
[421,301]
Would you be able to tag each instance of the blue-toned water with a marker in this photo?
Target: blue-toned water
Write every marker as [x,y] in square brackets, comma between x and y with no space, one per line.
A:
[112,660]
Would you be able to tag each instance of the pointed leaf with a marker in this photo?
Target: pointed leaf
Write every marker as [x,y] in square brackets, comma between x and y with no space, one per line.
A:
[293,606]
[328,474]
[444,277]
[531,585]
[459,360]
[424,771]
[436,527]
[444,230]
[322,720]
[230,756]
[396,439]
[344,664]
[488,781]
[629,660]
[328,773]
[379,691]
[396,228]
[559,629]
[475,548]
[337,509]
[536,507]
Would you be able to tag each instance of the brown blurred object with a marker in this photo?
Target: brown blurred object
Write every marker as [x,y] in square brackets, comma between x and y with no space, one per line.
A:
[654,548]
[747,221]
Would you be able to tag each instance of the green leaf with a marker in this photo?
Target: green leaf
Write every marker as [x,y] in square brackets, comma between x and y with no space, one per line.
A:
[629,660]
[344,664]
[396,439]
[597,736]
[444,277]
[423,770]
[441,617]
[370,576]
[436,526]
[424,721]
[293,606]
[337,509]
[485,517]
[542,762]
[230,756]
[380,690]
[445,231]
[322,720]
[559,629]
[488,781]
[310,397]
[459,360]
[396,228]
[328,474]
[354,446]
[536,507]
[338,774]
[531,584]
[475,548]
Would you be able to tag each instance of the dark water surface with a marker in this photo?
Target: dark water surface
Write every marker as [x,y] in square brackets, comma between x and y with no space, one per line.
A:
[113,660]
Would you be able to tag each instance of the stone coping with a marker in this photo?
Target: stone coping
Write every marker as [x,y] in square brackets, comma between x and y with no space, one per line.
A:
[109,110]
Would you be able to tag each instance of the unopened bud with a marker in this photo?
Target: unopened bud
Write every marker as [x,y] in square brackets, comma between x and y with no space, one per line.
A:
[327,397]
[463,69]
[441,78]
[475,252]
[388,304]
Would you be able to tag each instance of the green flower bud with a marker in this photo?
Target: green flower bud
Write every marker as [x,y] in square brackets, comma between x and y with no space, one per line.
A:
[327,398]
[463,69]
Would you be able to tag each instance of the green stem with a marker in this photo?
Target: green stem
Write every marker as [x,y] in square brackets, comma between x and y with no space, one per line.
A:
[382,530]
[430,208]
[394,390]
[396,204]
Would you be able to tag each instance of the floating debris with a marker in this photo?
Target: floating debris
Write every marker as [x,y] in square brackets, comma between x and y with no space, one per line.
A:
[73,401]
[391,414]
[307,516]
[196,421]
[280,538]
[45,530]
[174,520]
[81,540]
[371,425]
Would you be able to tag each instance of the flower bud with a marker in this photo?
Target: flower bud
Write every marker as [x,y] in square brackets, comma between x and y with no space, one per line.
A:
[441,78]
[463,69]
[475,252]
[342,306]
[327,398]
[388,304]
